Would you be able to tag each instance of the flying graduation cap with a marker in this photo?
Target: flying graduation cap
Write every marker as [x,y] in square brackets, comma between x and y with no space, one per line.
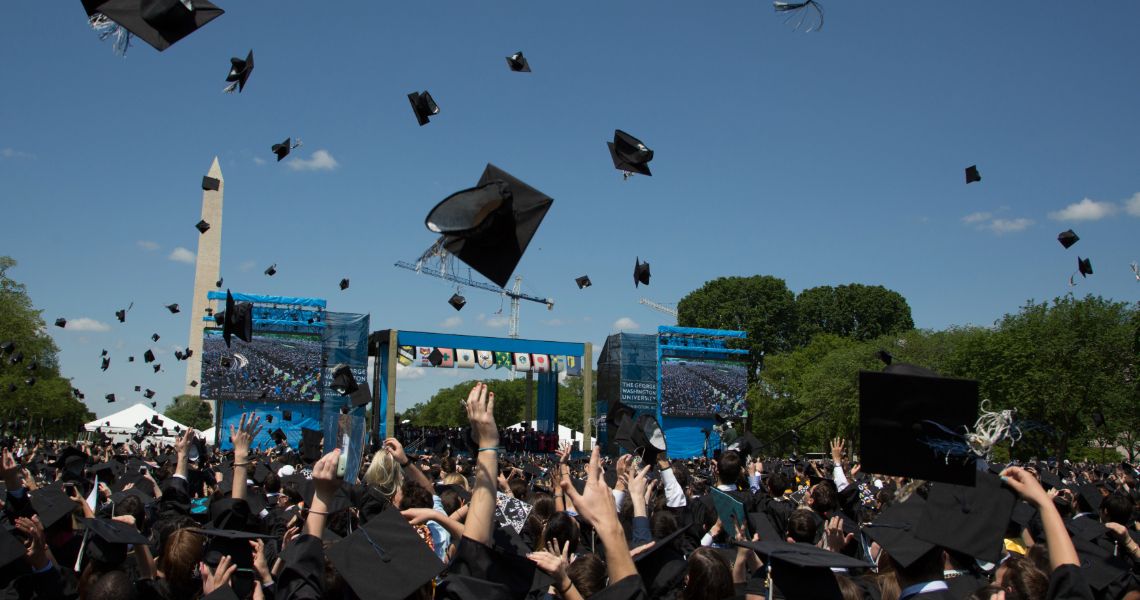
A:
[424,106]
[640,272]
[810,12]
[109,398]
[583,282]
[344,383]
[284,148]
[457,302]
[157,367]
[121,314]
[972,174]
[629,154]
[1068,238]
[202,226]
[490,225]
[272,270]
[240,70]
[148,356]
[1084,266]
[159,23]
[61,322]
[518,63]
[149,393]
[154,337]
[106,363]
[236,319]
[344,284]
[173,308]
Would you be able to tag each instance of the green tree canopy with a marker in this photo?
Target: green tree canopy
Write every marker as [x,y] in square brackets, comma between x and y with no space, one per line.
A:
[856,311]
[191,411]
[445,408]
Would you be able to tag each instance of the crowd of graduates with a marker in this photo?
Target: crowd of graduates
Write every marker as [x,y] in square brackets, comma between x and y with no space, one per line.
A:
[104,521]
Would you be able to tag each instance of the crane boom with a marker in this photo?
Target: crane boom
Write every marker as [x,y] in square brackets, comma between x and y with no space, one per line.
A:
[659,307]
[467,281]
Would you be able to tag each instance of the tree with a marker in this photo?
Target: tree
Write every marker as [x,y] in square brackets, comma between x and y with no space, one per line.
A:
[191,411]
[761,305]
[445,408]
[856,311]
[33,395]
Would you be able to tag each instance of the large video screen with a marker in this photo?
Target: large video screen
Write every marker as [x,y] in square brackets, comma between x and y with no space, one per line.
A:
[698,388]
[281,367]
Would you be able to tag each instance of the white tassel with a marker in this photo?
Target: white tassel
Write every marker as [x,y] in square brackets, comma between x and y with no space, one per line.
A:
[120,37]
[991,428]
[231,88]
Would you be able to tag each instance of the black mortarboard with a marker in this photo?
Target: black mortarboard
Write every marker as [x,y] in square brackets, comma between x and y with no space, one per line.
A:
[154,337]
[913,425]
[149,394]
[202,226]
[1068,238]
[109,397]
[173,308]
[218,283]
[311,444]
[1084,265]
[272,270]
[52,505]
[646,436]
[193,383]
[157,367]
[240,71]
[209,184]
[283,149]
[107,540]
[160,23]
[617,415]
[640,272]
[972,174]
[121,315]
[424,106]
[106,363]
[30,381]
[61,322]
[583,282]
[16,358]
[155,405]
[490,226]
[344,283]
[802,571]
[894,530]
[278,436]
[344,383]
[385,558]
[236,319]
[457,302]
[138,388]
[148,356]
[663,566]
[1089,497]
[7,347]
[518,63]
[629,154]
[970,520]
[286,415]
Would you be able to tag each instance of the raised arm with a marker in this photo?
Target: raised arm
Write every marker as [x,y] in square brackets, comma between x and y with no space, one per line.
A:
[481,516]
[1061,550]
[411,471]
[241,438]
[596,505]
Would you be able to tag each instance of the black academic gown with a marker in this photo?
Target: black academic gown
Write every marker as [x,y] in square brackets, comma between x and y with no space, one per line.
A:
[1067,583]
[303,575]
[18,582]
[963,585]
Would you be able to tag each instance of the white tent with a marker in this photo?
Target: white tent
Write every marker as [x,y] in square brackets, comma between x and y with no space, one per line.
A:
[122,425]
[208,435]
[564,433]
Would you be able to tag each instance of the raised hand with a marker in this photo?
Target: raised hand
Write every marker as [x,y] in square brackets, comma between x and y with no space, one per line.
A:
[36,551]
[10,470]
[837,451]
[396,449]
[182,443]
[834,537]
[639,484]
[480,406]
[554,561]
[596,502]
[218,577]
[260,565]
[563,452]
[244,434]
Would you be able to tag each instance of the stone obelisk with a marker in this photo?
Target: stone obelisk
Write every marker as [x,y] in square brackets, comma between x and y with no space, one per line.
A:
[206,271]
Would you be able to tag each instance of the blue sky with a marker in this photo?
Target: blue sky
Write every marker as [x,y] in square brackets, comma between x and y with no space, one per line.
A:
[821,158]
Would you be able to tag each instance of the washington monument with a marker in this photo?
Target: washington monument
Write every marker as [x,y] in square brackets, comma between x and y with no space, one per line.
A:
[207,271]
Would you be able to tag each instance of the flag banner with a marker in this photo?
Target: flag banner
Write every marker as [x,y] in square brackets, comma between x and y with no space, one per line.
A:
[574,366]
[448,358]
[503,360]
[485,358]
[540,363]
[558,364]
[465,359]
[423,352]
[522,361]
[406,355]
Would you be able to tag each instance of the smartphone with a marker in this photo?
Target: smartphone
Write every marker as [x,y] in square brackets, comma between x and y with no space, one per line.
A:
[69,489]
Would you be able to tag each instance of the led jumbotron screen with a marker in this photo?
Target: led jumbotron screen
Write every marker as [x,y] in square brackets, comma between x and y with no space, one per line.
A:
[281,367]
[703,388]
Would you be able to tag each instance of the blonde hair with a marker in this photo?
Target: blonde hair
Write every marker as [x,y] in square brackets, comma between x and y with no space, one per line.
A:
[384,474]
[456,479]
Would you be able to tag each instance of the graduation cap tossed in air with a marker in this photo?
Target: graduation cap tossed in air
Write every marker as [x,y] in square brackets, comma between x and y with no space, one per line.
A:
[424,106]
[121,314]
[154,337]
[490,225]
[284,148]
[640,272]
[160,23]
[344,284]
[642,436]
[109,398]
[583,281]
[518,63]
[972,174]
[148,356]
[61,322]
[629,154]
[157,367]
[1068,238]
[218,283]
[240,70]
[210,184]
[457,302]
[272,270]
[236,319]
[1084,266]
[344,383]
[149,394]
[202,226]
[173,308]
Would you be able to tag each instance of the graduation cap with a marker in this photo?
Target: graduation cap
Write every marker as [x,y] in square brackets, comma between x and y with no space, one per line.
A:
[7,347]
[283,149]
[173,308]
[662,567]
[209,184]
[1084,266]
[157,367]
[61,322]
[642,436]
[802,571]
[108,540]
[155,405]
[236,319]
[518,63]
[240,70]
[218,283]
[640,272]
[272,270]
[424,106]
[1068,238]
[30,381]
[457,302]
[138,388]
[970,520]
[148,356]
[385,558]
[629,154]
[490,226]
[193,383]
[154,337]
[583,282]
[311,444]
[972,174]
[178,355]
[150,394]
[106,363]
[277,435]
[109,397]
[16,358]
[894,529]
[344,284]
[286,415]
[202,226]
[160,23]
[121,315]
[344,383]
[913,425]
[617,415]
[52,505]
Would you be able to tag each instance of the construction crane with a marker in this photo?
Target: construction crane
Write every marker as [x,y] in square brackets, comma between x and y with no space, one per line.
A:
[657,306]
[436,254]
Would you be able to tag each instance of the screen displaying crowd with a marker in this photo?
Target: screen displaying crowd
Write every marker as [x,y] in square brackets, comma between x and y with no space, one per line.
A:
[280,366]
[692,388]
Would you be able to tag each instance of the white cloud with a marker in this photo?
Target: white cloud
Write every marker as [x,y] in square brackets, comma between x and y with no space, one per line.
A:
[148,245]
[247,265]
[497,321]
[976,217]
[182,255]
[320,161]
[257,160]
[1132,205]
[13,153]
[625,323]
[553,323]
[451,322]
[1085,210]
[1000,226]
[403,372]
[87,324]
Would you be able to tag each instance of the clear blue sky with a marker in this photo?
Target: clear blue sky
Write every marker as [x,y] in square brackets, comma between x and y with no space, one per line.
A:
[821,158]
